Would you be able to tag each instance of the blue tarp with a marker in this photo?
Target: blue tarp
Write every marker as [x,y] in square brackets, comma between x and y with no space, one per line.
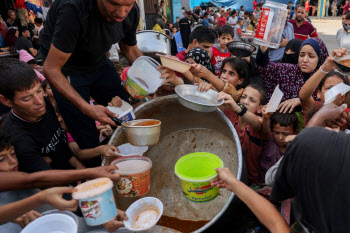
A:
[235,4]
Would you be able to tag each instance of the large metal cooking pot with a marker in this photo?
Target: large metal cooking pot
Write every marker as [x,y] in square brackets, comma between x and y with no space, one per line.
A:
[151,42]
[186,131]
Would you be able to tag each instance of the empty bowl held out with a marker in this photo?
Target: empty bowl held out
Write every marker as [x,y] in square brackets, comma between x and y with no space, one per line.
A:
[190,97]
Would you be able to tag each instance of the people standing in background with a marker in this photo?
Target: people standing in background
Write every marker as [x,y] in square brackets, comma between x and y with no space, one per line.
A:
[161,11]
[346,7]
[327,7]
[238,30]
[10,18]
[334,8]
[23,20]
[11,37]
[246,21]
[313,6]
[233,19]
[341,31]
[205,21]
[185,30]
[302,29]
[222,20]
[290,5]
[254,4]
[307,6]
[241,12]
[258,12]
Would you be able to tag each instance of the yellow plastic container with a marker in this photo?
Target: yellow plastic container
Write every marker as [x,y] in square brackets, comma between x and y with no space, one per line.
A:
[195,172]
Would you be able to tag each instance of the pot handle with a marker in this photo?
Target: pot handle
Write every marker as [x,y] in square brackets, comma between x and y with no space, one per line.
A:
[116,120]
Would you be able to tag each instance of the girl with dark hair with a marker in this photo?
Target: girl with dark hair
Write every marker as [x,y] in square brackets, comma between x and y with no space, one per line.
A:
[232,80]
[11,37]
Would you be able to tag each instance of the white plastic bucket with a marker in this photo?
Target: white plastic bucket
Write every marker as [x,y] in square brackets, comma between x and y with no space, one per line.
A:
[125,112]
[52,223]
[130,150]
[143,78]
[144,214]
[96,201]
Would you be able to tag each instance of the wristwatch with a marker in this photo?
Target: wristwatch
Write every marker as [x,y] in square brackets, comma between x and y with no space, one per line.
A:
[244,109]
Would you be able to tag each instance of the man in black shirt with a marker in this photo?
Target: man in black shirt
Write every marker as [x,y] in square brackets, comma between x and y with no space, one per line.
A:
[24,42]
[32,123]
[74,42]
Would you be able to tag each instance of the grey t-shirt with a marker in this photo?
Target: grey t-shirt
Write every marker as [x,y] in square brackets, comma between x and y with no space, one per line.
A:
[237,29]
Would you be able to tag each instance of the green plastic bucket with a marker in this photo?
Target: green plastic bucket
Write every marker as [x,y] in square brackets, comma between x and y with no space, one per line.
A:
[195,172]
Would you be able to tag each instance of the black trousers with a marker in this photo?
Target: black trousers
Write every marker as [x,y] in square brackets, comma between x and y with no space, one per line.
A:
[102,85]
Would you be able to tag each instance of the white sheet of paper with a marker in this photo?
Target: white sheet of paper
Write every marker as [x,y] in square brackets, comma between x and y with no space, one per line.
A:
[332,93]
[275,100]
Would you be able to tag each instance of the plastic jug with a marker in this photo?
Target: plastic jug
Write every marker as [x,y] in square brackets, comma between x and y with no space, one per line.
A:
[271,24]
[143,78]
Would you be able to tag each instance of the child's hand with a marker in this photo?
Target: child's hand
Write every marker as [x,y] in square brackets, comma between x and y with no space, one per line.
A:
[225,179]
[116,223]
[266,115]
[229,102]
[116,102]
[105,130]
[288,105]
[199,71]
[203,87]
[27,218]
[289,138]
[53,196]
[108,151]
[169,76]
[104,171]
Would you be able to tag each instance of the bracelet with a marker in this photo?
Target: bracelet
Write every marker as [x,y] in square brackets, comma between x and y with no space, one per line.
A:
[325,72]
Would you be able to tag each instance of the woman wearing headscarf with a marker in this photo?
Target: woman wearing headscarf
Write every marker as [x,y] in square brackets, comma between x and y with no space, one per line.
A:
[291,53]
[315,173]
[291,77]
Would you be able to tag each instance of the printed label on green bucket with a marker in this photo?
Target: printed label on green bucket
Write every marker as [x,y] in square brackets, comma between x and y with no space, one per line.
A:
[195,172]
[199,191]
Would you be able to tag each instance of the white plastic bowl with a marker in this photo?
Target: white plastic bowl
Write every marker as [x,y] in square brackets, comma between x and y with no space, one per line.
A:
[70,214]
[52,223]
[130,150]
[144,204]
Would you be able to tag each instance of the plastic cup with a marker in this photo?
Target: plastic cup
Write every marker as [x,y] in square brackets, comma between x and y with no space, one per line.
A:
[52,223]
[195,172]
[125,112]
[135,175]
[96,201]
[143,214]
[130,150]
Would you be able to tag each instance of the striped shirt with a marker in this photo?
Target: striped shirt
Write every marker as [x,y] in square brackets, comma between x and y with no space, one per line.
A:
[304,31]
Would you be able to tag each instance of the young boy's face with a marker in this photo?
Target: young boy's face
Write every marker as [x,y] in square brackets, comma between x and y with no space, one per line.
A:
[280,133]
[251,99]
[8,160]
[230,75]
[204,45]
[224,39]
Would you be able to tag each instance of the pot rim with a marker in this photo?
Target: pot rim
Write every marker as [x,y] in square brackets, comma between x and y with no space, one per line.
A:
[152,31]
[127,124]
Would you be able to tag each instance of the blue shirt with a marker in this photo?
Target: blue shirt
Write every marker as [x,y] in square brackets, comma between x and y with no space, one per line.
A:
[277,54]
[205,22]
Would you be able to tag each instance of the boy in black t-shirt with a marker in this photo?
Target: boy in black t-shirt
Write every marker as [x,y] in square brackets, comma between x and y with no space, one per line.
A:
[32,123]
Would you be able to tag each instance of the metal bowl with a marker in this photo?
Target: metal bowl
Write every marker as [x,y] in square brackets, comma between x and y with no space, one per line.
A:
[240,49]
[343,68]
[190,97]
[142,135]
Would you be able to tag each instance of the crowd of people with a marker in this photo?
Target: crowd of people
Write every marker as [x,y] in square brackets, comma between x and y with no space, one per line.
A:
[54,116]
